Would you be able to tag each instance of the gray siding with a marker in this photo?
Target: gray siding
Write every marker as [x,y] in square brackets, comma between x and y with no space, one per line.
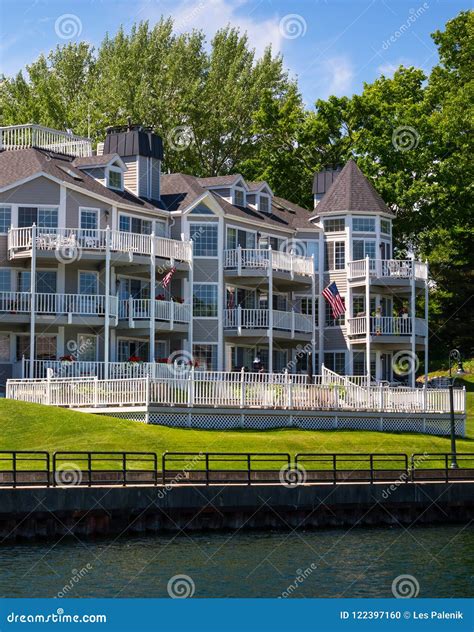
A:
[38,191]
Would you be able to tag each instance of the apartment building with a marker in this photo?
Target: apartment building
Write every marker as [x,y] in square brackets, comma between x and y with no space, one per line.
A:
[111,268]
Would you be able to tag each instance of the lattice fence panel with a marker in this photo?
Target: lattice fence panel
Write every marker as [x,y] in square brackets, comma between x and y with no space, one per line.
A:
[403,424]
[443,426]
[178,420]
[264,422]
[130,416]
[314,423]
[216,422]
[358,423]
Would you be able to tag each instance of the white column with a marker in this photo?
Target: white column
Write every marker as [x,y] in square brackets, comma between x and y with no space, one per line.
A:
[321,305]
[151,351]
[220,297]
[270,310]
[107,304]
[426,329]
[191,302]
[367,318]
[413,315]
[32,299]
[313,312]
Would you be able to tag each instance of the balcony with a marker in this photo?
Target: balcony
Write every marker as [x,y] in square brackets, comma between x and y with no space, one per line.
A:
[78,368]
[136,309]
[386,326]
[241,260]
[70,305]
[257,319]
[393,269]
[72,242]
[26,136]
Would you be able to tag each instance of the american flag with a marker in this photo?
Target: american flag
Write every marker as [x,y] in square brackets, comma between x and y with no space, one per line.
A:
[167,278]
[331,294]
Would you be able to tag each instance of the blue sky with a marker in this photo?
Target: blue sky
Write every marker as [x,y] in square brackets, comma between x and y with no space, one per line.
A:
[332,46]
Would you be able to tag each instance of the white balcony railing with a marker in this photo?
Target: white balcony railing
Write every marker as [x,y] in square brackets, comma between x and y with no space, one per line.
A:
[30,135]
[241,318]
[232,390]
[57,304]
[169,311]
[75,368]
[386,326]
[72,241]
[241,259]
[388,268]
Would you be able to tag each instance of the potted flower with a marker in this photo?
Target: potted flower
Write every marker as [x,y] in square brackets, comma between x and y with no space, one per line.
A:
[67,359]
[133,359]
[177,299]
[160,297]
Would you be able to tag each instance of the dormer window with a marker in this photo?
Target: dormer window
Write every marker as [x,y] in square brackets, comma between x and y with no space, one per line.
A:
[239,197]
[264,204]
[115,179]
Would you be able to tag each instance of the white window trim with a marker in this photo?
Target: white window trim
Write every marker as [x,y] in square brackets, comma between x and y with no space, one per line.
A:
[267,197]
[96,345]
[192,232]
[17,271]
[364,232]
[334,232]
[37,206]
[133,215]
[107,177]
[89,209]
[207,344]
[10,350]
[344,326]
[244,192]
[246,230]
[95,273]
[217,304]
[10,206]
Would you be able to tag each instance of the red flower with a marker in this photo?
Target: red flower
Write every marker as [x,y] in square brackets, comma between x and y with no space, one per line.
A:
[67,358]
[134,358]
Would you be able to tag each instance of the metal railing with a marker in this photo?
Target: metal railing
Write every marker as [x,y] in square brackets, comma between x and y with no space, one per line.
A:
[384,268]
[69,469]
[231,390]
[30,135]
[241,259]
[72,240]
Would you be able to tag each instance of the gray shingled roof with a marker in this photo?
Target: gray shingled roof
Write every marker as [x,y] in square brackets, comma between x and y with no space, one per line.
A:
[219,181]
[23,163]
[94,161]
[352,191]
[179,190]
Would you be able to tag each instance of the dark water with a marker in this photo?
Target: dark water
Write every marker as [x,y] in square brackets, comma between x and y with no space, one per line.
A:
[329,563]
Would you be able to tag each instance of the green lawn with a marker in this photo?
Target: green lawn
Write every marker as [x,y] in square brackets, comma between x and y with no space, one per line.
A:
[36,427]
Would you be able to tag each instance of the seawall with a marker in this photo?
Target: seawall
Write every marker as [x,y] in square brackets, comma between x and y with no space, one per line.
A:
[28,513]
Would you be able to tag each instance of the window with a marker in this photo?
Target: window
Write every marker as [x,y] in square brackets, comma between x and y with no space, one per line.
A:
[87,347]
[115,179]
[205,300]
[385,226]
[41,216]
[334,255]
[5,280]
[204,238]
[362,248]
[358,305]
[358,363]
[363,224]
[45,282]
[264,204]
[161,229]
[312,248]
[334,225]
[133,288]
[88,283]
[4,348]
[5,218]
[329,318]
[45,347]
[89,219]
[201,209]
[132,348]
[335,361]
[304,305]
[128,224]
[205,356]
[239,197]
[242,238]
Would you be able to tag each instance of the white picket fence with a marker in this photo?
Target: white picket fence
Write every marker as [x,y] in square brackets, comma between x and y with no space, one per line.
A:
[232,390]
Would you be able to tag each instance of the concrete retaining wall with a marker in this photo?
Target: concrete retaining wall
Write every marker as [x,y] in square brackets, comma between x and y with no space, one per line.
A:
[32,513]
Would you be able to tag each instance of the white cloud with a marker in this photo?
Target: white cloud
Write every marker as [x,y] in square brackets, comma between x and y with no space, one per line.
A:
[212,15]
[388,68]
[333,76]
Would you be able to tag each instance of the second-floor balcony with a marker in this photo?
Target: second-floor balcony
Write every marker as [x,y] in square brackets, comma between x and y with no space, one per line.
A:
[30,135]
[71,242]
[387,269]
[241,260]
[249,320]
[139,309]
[386,326]
[47,304]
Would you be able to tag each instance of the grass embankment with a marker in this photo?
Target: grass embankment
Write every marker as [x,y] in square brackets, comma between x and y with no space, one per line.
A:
[35,427]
